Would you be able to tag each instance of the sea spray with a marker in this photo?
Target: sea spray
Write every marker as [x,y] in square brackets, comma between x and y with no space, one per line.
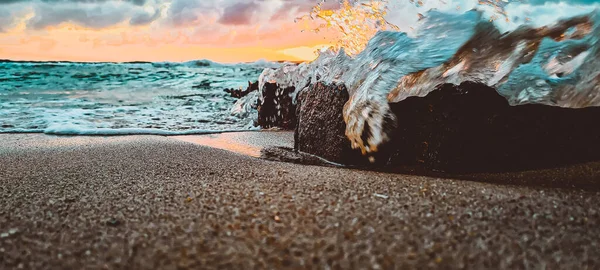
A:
[553,65]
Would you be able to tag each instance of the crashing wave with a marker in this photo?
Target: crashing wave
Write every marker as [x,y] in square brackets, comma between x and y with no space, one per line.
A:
[554,65]
[246,106]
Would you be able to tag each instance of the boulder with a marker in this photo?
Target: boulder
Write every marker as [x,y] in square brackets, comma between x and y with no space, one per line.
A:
[321,126]
[276,107]
[471,128]
[457,129]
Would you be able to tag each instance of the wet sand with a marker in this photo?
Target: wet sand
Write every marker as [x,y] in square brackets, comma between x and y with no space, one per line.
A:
[246,143]
[151,202]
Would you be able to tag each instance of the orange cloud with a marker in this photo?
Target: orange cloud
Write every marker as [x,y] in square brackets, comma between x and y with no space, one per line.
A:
[180,31]
[125,43]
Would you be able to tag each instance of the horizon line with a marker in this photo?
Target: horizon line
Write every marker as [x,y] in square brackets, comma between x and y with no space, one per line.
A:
[148,62]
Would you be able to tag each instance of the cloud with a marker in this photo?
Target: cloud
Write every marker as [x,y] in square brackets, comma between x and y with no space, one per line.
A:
[135,2]
[6,20]
[143,18]
[239,13]
[291,9]
[99,14]
[187,13]
[220,20]
[10,15]
[194,13]
[94,16]
[184,13]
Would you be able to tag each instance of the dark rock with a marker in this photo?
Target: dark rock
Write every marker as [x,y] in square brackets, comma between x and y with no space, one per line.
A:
[471,128]
[239,93]
[321,127]
[456,129]
[276,108]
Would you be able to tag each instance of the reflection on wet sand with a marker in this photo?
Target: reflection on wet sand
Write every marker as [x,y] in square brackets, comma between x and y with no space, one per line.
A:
[246,143]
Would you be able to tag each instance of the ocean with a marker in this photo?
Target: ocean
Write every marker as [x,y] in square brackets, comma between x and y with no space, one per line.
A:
[555,65]
[123,98]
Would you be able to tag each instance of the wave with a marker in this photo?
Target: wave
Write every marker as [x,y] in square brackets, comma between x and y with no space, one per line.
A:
[75,130]
[201,63]
[34,96]
[208,63]
[191,63]
[555,65]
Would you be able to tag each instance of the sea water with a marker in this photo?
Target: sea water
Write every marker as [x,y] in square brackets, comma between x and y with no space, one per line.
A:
[122,98]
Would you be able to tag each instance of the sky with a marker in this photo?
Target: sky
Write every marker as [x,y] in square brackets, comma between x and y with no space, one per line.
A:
[181,30]
[156,30]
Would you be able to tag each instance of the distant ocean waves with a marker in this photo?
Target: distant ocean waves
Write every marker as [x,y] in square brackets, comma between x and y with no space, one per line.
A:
[122,98]
[78,130]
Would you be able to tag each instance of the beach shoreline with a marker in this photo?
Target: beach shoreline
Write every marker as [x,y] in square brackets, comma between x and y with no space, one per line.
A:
[148,202]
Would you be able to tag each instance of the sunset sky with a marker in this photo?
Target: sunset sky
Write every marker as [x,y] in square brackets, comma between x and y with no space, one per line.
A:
[176,30]
[154,30]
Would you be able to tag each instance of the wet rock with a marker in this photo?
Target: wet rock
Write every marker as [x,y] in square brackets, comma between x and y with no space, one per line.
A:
[239,93]
[276,108]
[457,129]
[471,128]
[321,126]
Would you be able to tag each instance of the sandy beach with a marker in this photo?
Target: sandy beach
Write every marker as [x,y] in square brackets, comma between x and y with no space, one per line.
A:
[152,202]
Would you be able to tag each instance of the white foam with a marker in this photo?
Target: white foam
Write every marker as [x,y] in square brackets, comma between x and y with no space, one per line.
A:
[149,96]
[451,48]
[78,130]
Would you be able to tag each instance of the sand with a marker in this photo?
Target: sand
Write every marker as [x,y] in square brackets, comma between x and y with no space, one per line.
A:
[151,202]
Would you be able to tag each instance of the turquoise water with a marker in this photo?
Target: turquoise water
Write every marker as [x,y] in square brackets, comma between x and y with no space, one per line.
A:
[142,97]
